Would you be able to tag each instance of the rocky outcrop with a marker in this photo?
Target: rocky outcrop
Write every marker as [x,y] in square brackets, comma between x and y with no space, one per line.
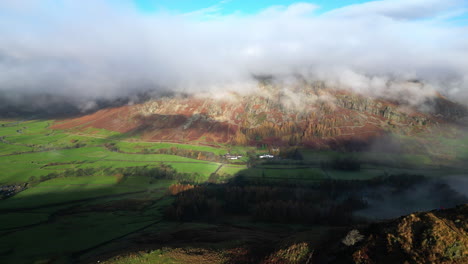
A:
[7,191]
[439,236]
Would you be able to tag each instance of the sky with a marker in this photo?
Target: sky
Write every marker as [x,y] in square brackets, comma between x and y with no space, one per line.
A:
[226,7]
[231,6]
[88,50]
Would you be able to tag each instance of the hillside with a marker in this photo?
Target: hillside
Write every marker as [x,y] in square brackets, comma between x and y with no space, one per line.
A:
[439,236]
[310,115]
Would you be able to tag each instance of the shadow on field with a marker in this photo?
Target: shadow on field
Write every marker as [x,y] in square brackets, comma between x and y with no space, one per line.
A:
[57,226]
[242,219]
[260,221]
[60,198]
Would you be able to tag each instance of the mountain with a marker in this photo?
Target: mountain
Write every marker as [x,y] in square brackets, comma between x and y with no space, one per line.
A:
[310,115]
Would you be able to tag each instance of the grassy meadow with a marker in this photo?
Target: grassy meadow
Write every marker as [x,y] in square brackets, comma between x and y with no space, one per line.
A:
[63,213]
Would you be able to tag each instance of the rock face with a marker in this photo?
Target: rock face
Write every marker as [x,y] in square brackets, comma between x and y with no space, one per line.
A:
[439,236]
[309,115]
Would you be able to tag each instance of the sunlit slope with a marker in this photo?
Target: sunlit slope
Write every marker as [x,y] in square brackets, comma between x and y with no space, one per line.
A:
[308,114]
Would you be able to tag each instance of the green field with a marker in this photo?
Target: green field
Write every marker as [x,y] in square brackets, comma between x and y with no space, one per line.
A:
[68,214]
[140,146]
[232,169]
[32,149]
[285,173]
[15,220]
[67,235]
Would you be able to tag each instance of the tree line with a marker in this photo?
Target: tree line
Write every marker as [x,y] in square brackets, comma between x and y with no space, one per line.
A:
[188,153]
[330,202]
[162,171]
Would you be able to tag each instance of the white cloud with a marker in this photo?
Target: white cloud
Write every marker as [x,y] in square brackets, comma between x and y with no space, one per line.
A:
[92,49]
[293,10]
[400,9]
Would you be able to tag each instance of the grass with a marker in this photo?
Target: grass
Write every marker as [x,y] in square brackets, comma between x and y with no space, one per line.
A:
[301,174]
[147,157]
[231,169]
[458,146]
[24,128]
[15,220]
[72,227]
[68,234]
[100,132]
[172,256]
[57,229]
[10,149]
[318,156]
[154,257]
[76,188]
[140,146]
[146,183]
[63,190]
[365,174]
[19,168]
[203,169]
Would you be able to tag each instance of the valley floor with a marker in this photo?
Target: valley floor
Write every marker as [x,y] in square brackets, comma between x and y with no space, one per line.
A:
[87,196]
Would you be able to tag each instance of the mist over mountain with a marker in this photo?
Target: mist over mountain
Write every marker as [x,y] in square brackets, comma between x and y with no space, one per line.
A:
[83,52]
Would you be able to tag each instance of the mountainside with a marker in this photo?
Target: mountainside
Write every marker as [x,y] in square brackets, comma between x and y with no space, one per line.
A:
[439,236]
[308,115]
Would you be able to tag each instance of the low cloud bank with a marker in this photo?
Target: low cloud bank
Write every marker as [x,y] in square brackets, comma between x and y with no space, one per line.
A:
[94,50]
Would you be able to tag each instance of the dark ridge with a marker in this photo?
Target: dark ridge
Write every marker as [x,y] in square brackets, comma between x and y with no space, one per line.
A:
[448,109]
